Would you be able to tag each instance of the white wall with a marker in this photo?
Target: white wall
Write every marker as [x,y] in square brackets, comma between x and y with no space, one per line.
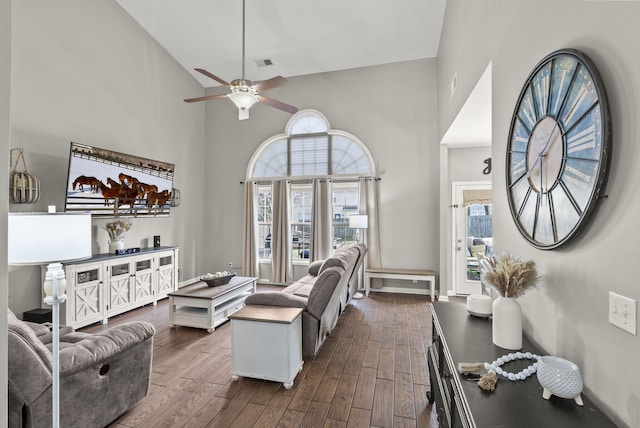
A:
[87,72]
[456,164]
[5,96]
[467,164]
[568,315]
[399,131]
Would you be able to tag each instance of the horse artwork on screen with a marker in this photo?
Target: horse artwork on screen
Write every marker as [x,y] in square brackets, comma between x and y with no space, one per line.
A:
[109,183]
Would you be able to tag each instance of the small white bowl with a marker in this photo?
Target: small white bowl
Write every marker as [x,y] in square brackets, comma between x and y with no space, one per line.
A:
[479,305]
[561,378]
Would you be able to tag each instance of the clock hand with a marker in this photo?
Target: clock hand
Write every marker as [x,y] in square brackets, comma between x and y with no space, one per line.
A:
[541,173]
[528,173]
[541,180]
[548,145]
[543,152]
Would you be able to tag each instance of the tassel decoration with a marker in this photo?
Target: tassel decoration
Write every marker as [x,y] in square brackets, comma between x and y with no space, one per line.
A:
[488,381]
[465,368]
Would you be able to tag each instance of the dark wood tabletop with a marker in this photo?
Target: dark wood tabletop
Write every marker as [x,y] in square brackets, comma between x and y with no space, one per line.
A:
[513,403]
[200,289]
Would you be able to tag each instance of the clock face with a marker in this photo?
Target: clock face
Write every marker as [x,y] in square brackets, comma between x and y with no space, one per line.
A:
[558,150]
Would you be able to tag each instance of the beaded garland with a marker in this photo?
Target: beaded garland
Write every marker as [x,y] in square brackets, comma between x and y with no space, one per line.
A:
[522,375]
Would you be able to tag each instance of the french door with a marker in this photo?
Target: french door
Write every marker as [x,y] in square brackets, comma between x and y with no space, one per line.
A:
[472,233]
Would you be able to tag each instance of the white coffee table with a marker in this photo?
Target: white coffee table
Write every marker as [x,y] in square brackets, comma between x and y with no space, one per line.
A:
[200,306]
[266,343]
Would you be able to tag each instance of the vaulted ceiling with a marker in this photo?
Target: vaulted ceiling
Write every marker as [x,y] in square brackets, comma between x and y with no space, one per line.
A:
[302,37]
[298,36]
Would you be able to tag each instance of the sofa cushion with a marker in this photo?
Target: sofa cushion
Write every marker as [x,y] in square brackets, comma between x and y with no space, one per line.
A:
[478,250]
[29,362]
[323,290]
[44,331]
[302,287]
[22,331]
[342,259]
[92,349]
[314,267]
[276,298]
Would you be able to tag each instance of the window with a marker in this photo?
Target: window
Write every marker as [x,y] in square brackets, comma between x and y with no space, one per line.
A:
[309,156]
[309,149]
[265,219]
[345,203]
[301,205]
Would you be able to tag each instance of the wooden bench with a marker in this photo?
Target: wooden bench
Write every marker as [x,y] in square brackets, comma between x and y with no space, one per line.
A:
[405,274]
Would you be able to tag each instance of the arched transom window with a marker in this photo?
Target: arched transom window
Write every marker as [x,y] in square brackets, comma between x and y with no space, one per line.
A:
[310,148]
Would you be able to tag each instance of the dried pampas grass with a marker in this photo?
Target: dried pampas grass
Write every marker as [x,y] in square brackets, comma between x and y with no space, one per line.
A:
[117,229]
[510,276]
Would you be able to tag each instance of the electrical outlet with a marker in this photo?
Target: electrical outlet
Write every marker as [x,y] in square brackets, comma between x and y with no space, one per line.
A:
[622,312]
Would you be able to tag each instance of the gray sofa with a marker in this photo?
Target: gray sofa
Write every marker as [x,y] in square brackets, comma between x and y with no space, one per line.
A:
[323,294]
[101,375]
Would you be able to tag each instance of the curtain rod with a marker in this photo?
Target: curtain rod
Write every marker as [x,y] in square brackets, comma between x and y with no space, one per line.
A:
[329,178]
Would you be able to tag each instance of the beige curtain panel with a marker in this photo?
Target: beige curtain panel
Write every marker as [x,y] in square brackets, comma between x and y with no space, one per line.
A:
[250,231]
[321,219]
[282,268]
[369,206]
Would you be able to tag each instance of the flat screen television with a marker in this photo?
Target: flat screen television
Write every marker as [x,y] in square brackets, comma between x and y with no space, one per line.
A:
[107,183]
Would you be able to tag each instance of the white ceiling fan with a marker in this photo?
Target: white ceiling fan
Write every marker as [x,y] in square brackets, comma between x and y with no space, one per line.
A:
[244,93]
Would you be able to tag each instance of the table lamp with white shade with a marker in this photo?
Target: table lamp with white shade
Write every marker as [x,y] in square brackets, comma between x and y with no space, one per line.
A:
[359,222]
[50,238]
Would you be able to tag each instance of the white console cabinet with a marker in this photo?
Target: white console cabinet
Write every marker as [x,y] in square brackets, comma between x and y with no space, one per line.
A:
[106,284]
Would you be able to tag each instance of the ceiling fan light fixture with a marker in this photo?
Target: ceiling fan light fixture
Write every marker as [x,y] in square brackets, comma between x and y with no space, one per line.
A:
[243,100]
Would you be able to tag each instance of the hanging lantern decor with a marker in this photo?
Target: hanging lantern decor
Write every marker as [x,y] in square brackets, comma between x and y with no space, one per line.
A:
[175,197]
[24,188]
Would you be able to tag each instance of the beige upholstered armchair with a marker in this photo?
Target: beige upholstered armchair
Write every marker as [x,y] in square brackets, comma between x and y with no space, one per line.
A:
[101,375]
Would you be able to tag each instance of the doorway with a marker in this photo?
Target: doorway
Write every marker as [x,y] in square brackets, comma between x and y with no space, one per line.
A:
[472,233]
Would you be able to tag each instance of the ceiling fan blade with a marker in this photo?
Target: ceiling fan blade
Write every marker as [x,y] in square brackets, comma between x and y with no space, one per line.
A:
[270,84]
[212,76]
[208,97]
[277,104]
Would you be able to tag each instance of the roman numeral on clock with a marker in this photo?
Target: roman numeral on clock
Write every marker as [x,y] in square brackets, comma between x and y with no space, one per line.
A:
[583,140]
[518,168]
[577,177]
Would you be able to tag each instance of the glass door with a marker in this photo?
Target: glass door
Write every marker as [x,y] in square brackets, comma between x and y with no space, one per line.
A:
[473,234]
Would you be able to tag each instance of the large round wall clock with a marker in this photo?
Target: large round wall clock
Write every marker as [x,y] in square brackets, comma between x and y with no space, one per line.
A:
[558,150]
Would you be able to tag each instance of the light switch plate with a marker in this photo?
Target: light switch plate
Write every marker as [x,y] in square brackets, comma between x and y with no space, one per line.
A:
[622,312]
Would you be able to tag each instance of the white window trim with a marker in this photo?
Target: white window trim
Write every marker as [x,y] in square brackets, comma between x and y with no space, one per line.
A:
[331,132]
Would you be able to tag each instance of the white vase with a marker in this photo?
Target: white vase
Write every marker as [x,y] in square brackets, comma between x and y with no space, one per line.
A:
[507,323]
[115,244]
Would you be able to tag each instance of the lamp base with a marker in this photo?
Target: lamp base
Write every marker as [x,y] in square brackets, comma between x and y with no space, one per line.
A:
[55,285]
[50,300]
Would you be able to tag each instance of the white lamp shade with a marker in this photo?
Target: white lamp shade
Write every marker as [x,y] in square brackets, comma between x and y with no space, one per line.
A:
[40,238]
[243,100]
[360,221]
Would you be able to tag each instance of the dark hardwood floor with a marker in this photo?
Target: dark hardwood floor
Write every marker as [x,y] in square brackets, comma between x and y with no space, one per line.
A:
[371,372]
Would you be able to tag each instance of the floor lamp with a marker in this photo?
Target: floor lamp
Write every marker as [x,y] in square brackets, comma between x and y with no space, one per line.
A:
[50,238]
[359,222]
